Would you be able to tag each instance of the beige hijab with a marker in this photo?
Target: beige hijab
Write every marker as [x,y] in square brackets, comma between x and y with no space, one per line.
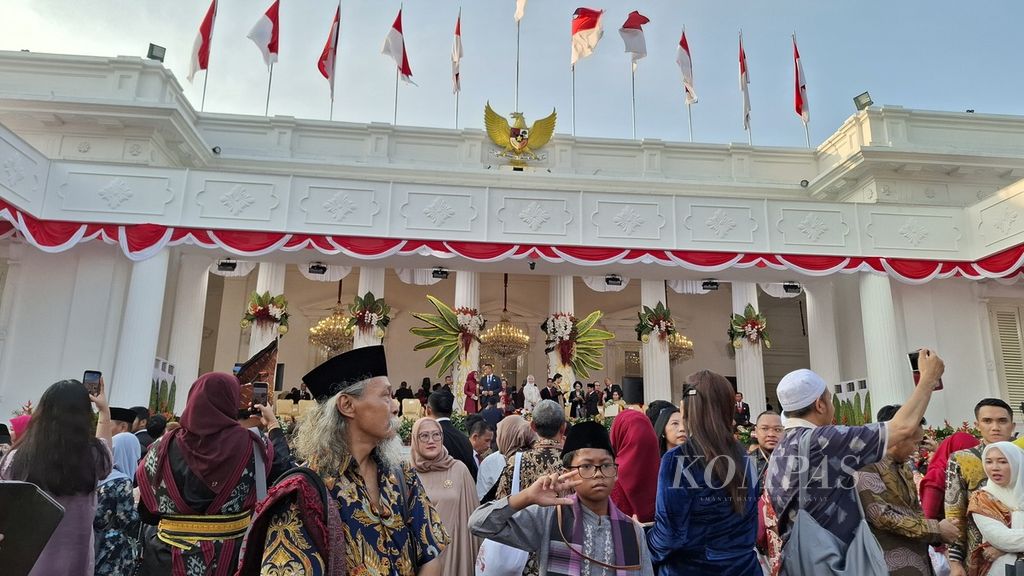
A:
[443,461]
[514,435]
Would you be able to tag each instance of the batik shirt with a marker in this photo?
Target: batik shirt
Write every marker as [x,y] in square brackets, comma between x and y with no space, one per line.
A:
[964,474]
[835,453]
[544,458]
[392,538]
[117,528]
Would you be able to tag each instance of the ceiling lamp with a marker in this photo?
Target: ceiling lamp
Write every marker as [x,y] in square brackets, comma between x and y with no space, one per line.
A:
[333,335]
[680,348]
[505,339]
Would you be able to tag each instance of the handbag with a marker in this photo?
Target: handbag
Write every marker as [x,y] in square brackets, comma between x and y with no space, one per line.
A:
[812,549]
[497,559]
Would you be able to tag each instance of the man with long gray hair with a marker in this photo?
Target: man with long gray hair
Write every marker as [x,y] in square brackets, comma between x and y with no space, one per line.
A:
[357,507]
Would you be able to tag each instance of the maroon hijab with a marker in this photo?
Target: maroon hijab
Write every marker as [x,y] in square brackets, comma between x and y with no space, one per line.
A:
[639,457]
[211,440]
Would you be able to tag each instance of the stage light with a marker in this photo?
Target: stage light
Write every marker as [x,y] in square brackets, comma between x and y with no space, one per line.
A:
[439,273]
[791,287]
[709,284]
[613,280]
[317,268]
[156,53]
[226,265]
[862,101]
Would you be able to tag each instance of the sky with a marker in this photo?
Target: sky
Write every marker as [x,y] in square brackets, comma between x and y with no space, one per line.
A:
[936,55]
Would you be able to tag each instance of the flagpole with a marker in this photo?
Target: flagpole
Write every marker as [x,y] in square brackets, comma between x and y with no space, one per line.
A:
[266,111]
[807,135]
[632,87]
[689,118]
[206,76]
[398,74]
[517,65]
[750,140]
[574,100]
[331,116]
[456,110]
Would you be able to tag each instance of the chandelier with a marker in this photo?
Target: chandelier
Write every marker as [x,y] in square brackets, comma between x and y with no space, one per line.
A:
[333,334]
[680,348]
[505,339]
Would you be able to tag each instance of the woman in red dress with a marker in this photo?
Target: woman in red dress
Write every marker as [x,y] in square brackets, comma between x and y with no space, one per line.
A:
[472,393]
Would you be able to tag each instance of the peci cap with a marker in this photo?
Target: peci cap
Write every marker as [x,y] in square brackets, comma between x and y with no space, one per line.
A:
[799,389]
[587,434]
[126,415]
[345,370]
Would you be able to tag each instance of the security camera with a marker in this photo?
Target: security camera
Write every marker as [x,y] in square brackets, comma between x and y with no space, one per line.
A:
[804,183]
[215,150]
[533,265]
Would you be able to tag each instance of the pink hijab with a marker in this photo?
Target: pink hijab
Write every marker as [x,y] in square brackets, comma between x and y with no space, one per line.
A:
[19,424]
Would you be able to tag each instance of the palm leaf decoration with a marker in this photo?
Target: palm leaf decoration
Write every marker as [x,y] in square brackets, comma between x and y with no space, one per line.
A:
[589,345]
[442,333]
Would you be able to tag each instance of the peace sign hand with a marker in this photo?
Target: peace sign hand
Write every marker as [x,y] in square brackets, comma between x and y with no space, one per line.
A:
[552,489]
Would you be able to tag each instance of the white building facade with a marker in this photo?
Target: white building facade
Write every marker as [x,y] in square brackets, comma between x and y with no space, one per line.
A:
[117,199]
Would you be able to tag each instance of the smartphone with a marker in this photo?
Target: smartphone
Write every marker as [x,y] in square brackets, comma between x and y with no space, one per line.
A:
[917,373]
[260,395]
[91,381]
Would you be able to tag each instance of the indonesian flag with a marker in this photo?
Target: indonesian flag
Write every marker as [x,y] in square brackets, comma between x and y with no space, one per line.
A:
[803,109]
[520,9]
[744,85]
[201,47]
[265,33]
[586,32]
[632,33]
[686,67]
[394,46]
[457,55]
[330,54]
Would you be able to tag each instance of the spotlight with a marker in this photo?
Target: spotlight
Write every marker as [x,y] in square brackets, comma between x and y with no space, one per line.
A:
[804,183]
[613,280]
[440,273]
[215,150]
[862,101]
[533,265]
[791,287]
[317,268]
[226,265]
[156,53]
[709,284]
[970,110]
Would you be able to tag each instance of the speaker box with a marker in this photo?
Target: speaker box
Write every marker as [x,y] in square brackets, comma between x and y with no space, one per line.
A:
[633,389]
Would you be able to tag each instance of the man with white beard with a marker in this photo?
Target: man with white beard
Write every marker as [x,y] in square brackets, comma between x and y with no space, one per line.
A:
[357,508]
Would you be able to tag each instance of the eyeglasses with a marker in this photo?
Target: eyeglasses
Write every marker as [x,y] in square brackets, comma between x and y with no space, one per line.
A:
[776,429]
[588,471]
[428,436]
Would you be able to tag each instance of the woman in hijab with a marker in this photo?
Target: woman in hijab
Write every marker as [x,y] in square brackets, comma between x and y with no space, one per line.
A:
[198,483]
[472,392]
[636,452]
[117,521]
[59,453]
[531,395]
[514,435]
[995,507]
[451,489]
[933,485]
[19,424]
[670,429]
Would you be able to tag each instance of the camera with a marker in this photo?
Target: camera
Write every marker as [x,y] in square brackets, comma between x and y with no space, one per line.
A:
[533,265]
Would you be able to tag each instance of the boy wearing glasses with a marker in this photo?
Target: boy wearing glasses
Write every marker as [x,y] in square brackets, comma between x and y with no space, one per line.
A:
[580,534]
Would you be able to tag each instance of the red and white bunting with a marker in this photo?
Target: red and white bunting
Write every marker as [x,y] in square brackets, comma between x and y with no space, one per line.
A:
[394,46]
[266,32]
[201,47]
[330,54]
[686,67]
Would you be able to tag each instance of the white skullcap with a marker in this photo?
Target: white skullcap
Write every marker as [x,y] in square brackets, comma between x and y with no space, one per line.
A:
[799,389]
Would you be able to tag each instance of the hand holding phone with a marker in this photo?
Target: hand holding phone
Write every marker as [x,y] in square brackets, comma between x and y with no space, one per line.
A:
[260,396]
[932,365]
[92,381]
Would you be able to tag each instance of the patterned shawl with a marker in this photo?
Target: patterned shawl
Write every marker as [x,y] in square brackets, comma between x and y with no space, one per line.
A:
[563,561]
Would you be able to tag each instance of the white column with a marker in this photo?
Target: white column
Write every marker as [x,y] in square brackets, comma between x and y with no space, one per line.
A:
[187,323]
[370,280]
[561,299]
[889,378]
[657,371]
[749,357]
[140,331]
[821,330]
[270,278]
[467,294]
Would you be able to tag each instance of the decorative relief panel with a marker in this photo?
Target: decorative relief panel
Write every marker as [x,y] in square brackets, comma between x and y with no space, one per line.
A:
[124,193]
[913,231]
[534,216]
[429,211]
[1000,221]
[237,200]
[335,205]
[708,223]
[633,220]
[807,227]
[21,174]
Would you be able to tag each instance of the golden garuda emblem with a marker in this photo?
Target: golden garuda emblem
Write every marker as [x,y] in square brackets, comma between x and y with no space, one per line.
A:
[517,142]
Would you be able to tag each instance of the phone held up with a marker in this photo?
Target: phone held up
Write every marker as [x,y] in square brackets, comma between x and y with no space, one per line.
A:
[91,381]
[917,372]
[260,395]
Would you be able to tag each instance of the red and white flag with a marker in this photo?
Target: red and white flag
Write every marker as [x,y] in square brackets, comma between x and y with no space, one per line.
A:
[201,47]
[265,33]
[632,33]
[520,9]
[457,55]
[330,54]
[394,46]
[686,67]
[586,32]
[803,109]
[744,85]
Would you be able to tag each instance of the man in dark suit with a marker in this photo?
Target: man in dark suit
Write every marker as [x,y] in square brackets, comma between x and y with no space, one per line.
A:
[439,407]
[742,409]
[490,385]
[593,400]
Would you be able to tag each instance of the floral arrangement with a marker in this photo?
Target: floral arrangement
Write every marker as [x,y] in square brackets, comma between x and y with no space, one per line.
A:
[947,430]
[657,320]
[26,409]
[750,326]
[265,310]
[452,332]
[370,313]
[578,343]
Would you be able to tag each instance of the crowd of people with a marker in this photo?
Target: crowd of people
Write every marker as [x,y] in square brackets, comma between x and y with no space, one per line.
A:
[535,484]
